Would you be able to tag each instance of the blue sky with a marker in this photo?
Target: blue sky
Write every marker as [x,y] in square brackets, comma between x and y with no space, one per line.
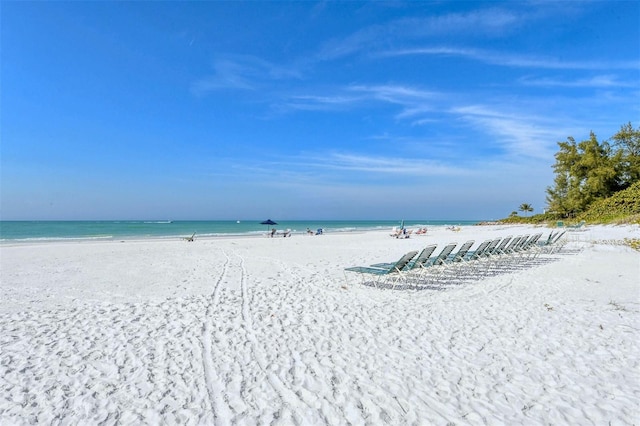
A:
[303,110]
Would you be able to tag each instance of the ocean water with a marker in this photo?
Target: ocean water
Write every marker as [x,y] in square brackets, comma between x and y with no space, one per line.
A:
[15,231]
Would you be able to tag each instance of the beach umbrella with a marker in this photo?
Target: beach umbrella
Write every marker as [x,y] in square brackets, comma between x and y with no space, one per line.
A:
[268,222]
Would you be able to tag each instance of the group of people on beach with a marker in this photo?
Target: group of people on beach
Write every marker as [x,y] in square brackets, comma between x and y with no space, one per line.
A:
[274,232]
[285,234]
[406,233]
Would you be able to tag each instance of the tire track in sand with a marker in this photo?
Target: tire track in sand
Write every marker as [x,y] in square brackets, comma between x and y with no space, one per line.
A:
[291,400]
[215,385]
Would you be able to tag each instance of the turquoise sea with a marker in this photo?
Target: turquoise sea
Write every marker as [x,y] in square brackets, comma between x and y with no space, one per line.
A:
[15,231]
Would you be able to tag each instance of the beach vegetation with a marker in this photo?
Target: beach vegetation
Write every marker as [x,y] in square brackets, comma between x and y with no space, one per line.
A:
[623,207]
[525,208]
[595,181]
[592,170]
[634,243]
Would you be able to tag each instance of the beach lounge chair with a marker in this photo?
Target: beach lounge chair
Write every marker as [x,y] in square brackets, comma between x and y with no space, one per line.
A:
[191,238]
[415,266]
[423,258]
[523,248]
[532,242]
[442,257]
[488,255]
[393,272]
[432,264]
[576,225]
[453,259]
[417,262]
[500,248]
[507,254]
[511,247]
[548,240]
[462,252]
[477,253]
[552,245]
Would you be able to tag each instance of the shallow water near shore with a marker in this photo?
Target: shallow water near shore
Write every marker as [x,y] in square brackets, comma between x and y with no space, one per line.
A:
[14,231]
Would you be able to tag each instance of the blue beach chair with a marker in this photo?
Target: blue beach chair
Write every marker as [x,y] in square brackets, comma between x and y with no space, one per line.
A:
[393,272]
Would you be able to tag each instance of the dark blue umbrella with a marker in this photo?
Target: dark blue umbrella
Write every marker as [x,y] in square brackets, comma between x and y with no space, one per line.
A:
[268,222]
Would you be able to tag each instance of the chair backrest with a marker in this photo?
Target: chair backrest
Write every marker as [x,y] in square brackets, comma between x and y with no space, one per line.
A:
[521,244]
[532,241]
[404,261]
[491,248]
[558,237]
[462,251]
[480,250]
[549,239]
[503,244]
[423,257]
[513,244]
[446,251]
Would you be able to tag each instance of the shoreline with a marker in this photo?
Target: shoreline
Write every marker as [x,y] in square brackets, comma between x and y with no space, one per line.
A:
[139,239]
[252,234]
[12,231]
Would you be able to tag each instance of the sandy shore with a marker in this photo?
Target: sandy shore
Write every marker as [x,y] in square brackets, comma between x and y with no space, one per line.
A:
[268,331]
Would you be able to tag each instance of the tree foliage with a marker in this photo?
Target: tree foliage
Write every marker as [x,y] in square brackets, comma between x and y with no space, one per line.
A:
[627,141]
[590,170]
[623,205]
[526,208]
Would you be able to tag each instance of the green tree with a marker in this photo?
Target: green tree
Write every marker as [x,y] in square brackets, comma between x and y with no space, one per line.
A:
[559,196]
[585,171]
[526,208]
[627,142]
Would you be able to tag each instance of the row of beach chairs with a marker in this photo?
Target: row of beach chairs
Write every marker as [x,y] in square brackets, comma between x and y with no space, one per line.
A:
[418,268]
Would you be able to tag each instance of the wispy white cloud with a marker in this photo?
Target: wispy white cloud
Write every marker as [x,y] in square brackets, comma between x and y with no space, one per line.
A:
[512,60]
[242,72]
[413,99]
[415,102]
[325,166]
[488,21]
[599,81]
[228,75]
[492,21]
[398,94]
[518,134]
[319,103]
[387,165]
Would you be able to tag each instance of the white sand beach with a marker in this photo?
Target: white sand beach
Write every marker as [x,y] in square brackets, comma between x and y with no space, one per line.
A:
[249,331]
